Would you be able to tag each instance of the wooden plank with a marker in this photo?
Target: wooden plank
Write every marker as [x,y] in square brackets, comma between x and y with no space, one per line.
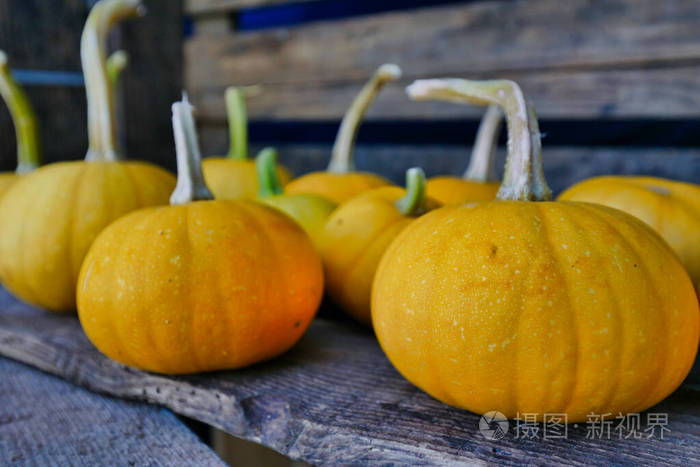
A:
[199,7]
[47,421]
[663,92]
[564,166]
[152,81]
[578,58]
[334,399]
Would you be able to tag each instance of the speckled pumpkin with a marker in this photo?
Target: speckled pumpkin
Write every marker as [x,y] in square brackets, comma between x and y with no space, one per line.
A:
[26,128]
[526,306]
[340,181]
[49,218]
[200,285]
[479,182]
[234,176]
[671,208]
[357,234]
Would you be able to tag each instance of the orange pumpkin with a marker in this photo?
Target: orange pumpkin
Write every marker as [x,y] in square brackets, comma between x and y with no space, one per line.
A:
[671,208]
[26,128]
[479,182]
[341,182]
[526,306]
[359,231]
[199,285]
[49,218]
[233,176]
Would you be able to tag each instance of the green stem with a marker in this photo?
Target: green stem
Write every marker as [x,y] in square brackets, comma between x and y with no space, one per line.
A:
[26,127]
[342,154]
[523,179]
[190,180]
[237,123]
[115,65]
[266,168]
[413,202]
[100,99]
[482,165]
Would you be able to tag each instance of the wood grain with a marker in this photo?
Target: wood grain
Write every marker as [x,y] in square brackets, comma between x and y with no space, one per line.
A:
[578,58]
[47,421]
[333,399]
[564,166]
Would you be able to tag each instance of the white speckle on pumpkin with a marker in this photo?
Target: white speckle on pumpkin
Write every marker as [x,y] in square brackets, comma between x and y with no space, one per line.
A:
[175,260]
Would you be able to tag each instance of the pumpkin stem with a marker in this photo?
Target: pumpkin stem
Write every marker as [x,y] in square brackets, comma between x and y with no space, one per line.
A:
[342,154]
[190,181]
[413,202]
[237,123]
[482,166]
[523,179]
[23,117]
[100,98]
[115,65]
[266,167]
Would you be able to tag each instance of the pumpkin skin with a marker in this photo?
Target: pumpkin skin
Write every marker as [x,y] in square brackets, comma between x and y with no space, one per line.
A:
[452,190]
[49,218]
[198,287]
[309,211]
[354,239]
[7,179]
[671,208]
[537,308]
[235,178]
[336,187]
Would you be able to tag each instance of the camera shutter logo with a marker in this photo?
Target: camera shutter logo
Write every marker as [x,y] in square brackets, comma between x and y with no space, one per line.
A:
[493,425]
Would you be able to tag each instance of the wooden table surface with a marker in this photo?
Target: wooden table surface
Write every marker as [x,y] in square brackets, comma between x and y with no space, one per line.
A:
[47,421]
[333,399]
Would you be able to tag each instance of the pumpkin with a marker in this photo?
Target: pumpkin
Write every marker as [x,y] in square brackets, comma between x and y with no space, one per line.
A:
[309,211]
[671,208]
[49,218]
[24,119]
[527,306]
[479,182]
[340,181]
[359,231]
[233,176]
[199,285]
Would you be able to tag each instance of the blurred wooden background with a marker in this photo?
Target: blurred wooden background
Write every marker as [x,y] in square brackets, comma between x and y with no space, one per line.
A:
[615,83]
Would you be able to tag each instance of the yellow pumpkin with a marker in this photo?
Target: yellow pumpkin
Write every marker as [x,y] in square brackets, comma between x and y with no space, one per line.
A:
[359,231]
[340,181]
[526,306]
[26,128]
[309,211]
[49,218]
[479,182]
[671,208]
[233,176]
[199,285]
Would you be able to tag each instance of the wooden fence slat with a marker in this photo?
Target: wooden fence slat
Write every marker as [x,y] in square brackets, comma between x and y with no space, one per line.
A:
[334,399]
[577,58]
[664,92]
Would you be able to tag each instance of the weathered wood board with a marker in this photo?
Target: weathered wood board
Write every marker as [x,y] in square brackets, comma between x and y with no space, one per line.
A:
[578,59]
[334,399]
[47,421]
[564,166]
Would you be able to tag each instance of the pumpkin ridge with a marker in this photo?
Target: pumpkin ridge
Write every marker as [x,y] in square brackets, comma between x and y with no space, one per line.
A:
[195,359]
[543,210]
[615,300]
[25,278]
[603,217]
